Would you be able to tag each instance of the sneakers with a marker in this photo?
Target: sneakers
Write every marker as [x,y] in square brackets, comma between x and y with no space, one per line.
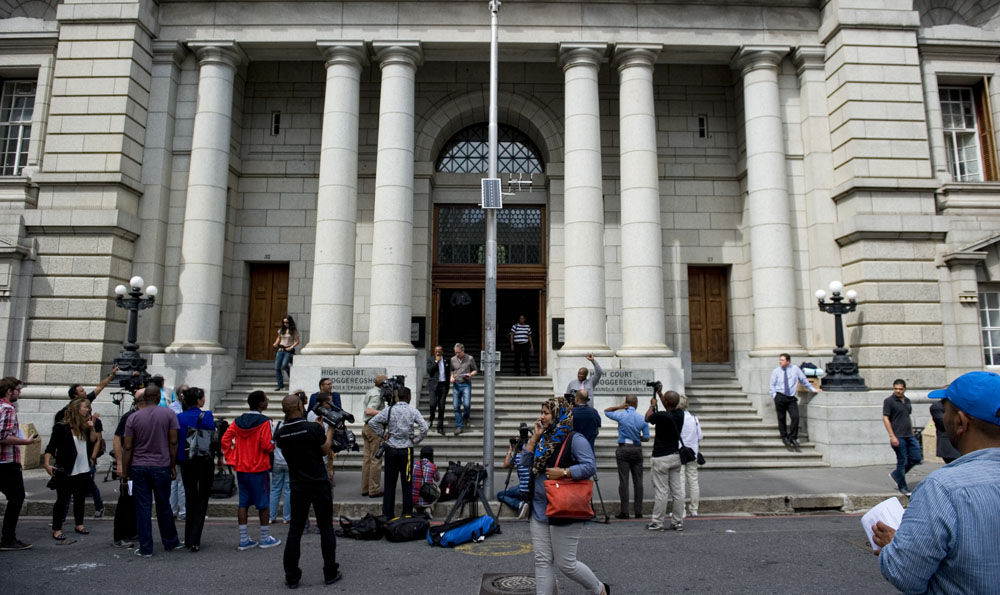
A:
[522,513]
[693,513]
[271,541]
[654,527]
[677,526]
[14,546]
[246,544]
[142,555]
[124,543]
[98,513]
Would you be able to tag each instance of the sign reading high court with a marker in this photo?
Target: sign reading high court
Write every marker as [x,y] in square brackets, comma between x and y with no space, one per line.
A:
[624,382]
[351,380]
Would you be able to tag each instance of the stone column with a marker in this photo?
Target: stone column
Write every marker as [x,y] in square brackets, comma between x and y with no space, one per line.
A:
[771,259]
[643,327]
[331,327]
[200,283]
[584,202]
[157,159]
[392,247]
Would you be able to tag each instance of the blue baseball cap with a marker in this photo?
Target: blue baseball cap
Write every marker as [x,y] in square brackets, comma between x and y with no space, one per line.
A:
[976,393]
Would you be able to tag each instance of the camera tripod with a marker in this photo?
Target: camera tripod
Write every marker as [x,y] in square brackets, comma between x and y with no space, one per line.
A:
[117,397]
[473,494]
[600,497]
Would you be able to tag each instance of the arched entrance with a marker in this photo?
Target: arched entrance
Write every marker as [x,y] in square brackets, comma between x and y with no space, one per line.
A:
[458,269]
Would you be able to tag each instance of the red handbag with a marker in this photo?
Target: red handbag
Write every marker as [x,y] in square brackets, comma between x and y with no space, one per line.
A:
[568,498]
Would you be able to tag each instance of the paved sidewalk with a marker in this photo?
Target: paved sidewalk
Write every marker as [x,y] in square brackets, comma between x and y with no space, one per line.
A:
[756,491]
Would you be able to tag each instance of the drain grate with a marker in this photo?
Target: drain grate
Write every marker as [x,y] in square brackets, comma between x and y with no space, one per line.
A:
[507,584]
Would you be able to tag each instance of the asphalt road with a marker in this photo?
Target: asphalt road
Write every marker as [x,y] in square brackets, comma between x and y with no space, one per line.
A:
[796,554]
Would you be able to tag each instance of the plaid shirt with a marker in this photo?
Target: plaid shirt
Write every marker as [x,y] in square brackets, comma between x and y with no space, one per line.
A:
[9,453]
[424,471]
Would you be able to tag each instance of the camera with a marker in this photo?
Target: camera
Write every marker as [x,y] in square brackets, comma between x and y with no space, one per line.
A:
[390,388]
[522,437]
[655,384]
[343,439]
[381,450]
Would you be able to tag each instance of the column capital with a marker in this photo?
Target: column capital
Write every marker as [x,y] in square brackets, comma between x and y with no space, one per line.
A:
[350,53]
[407,53]
[168,52]
[218,52]
[809,57]
[755,57]
[627,55]
[582,54]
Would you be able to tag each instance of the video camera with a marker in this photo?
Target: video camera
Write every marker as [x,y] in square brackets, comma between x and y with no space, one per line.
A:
[522,437]
[655,385]
[343,438]
[390,388]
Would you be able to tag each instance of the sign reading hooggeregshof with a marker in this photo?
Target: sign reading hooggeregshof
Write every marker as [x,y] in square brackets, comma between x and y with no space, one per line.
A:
[351,380]
[624,382]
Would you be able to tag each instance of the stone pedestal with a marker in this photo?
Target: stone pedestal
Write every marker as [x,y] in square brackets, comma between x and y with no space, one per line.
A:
[846,427]
[213,373]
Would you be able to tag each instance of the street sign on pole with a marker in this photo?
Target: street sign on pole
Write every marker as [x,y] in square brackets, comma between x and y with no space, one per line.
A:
[492,196]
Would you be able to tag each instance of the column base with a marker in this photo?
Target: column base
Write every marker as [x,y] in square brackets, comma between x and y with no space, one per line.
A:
[584,350]
[644,351]
[211,372]
[404,349]
[794,351]
[313,348]
[202,347]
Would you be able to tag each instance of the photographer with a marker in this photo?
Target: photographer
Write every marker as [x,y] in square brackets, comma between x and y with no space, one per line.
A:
[304,446]
[395,425]
[666,465]
[371,467]
[517,497]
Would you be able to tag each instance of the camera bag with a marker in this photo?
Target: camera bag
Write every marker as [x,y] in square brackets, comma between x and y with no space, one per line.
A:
[406,528]
[462,531]
[223,484]
[368,528]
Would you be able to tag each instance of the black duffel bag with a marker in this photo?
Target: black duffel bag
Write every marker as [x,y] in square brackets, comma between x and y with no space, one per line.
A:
[223,484]
[406,528]
[368,528]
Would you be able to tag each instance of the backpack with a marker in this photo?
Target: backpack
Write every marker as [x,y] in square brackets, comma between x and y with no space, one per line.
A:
[406,528]
[198,442]
[221,426]
[430,492]
[366,529]
[462,531]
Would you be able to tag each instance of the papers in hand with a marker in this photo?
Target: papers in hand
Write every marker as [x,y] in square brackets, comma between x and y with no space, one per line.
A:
[888,511]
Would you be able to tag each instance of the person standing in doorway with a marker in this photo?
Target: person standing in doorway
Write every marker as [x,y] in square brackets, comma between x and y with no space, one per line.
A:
[285,344]
[463,368]
[522,345]
[784,382]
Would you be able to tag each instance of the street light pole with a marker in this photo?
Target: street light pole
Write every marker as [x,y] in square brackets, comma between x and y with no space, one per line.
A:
[132,368]
[489,363]
[841,371]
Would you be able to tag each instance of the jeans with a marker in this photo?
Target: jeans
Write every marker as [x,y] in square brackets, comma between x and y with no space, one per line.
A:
[11,486]
[783,404]
[629,460]
[668,486]
[556,544]
[319,496]
[280,484]
[178,503]
[908,454]
[398,465]
[282,362]
[512,497]
[147,483]
[461,396]
[197,476]
[76,486]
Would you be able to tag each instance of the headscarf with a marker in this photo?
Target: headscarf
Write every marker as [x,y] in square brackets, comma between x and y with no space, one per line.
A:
[555,434]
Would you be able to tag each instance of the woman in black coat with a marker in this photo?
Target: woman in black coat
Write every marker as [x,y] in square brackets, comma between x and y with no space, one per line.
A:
[74,445]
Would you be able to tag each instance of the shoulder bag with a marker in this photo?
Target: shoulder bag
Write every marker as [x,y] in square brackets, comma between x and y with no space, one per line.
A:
[686,452]
[568,499]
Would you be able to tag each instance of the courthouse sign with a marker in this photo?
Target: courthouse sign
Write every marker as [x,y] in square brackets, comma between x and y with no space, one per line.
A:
[624,382]
[351,380]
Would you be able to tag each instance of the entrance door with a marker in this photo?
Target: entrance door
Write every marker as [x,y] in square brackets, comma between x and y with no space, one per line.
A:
[460,320]
[512,303]
[268,305]
[708,306]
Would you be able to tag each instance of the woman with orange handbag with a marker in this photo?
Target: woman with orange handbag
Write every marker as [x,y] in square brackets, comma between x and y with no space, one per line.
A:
[562,463]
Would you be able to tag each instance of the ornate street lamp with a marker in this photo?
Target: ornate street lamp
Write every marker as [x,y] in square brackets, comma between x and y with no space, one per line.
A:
[132,368]
[841,371]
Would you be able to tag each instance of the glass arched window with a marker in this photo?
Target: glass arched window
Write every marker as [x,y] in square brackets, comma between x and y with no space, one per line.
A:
[468,152]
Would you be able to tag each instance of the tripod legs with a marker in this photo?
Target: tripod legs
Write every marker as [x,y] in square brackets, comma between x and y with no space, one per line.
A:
[597,484]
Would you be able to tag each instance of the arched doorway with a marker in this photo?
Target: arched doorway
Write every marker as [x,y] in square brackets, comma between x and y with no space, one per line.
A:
[458,269]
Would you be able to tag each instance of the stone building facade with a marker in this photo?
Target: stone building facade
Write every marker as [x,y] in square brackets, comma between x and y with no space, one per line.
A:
[697,170]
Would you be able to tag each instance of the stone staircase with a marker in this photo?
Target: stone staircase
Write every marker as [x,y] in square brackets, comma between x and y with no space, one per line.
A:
[735,435]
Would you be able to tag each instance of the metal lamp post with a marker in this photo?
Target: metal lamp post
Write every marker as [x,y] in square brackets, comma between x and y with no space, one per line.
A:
[132,368]
[841,371]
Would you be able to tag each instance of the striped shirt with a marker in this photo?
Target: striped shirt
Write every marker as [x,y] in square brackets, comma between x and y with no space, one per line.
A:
[521,332]
[946,542]
[9,453]
[523,475]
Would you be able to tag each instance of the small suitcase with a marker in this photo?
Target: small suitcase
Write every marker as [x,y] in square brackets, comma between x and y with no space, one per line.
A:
[462,531]
[406,528]
[223,484]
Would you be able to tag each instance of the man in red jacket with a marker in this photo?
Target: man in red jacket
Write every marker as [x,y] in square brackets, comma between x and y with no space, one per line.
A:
[246,445]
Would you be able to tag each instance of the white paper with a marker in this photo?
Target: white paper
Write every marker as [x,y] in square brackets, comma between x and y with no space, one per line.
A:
[130,487]
[888,511]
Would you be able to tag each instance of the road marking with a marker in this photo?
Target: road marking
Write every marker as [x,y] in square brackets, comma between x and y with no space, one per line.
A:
[78,567]
[495,548]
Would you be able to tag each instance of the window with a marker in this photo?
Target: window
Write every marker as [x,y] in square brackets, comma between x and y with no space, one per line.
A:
[968,135]
[16,107]
[468,152]
[461,230]
[989,322]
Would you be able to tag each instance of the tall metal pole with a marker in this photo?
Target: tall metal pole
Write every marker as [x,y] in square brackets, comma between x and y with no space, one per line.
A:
[489,365]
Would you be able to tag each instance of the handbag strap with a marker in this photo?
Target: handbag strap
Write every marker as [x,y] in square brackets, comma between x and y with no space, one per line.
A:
[569,436]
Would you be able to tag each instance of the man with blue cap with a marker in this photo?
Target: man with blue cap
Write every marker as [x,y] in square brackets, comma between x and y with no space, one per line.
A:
[946,542]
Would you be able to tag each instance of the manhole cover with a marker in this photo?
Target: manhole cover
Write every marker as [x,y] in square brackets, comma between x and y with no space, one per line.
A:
[507,584]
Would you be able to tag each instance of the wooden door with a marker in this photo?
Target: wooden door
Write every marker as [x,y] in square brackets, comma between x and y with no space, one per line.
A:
[268,305]
[708,307]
